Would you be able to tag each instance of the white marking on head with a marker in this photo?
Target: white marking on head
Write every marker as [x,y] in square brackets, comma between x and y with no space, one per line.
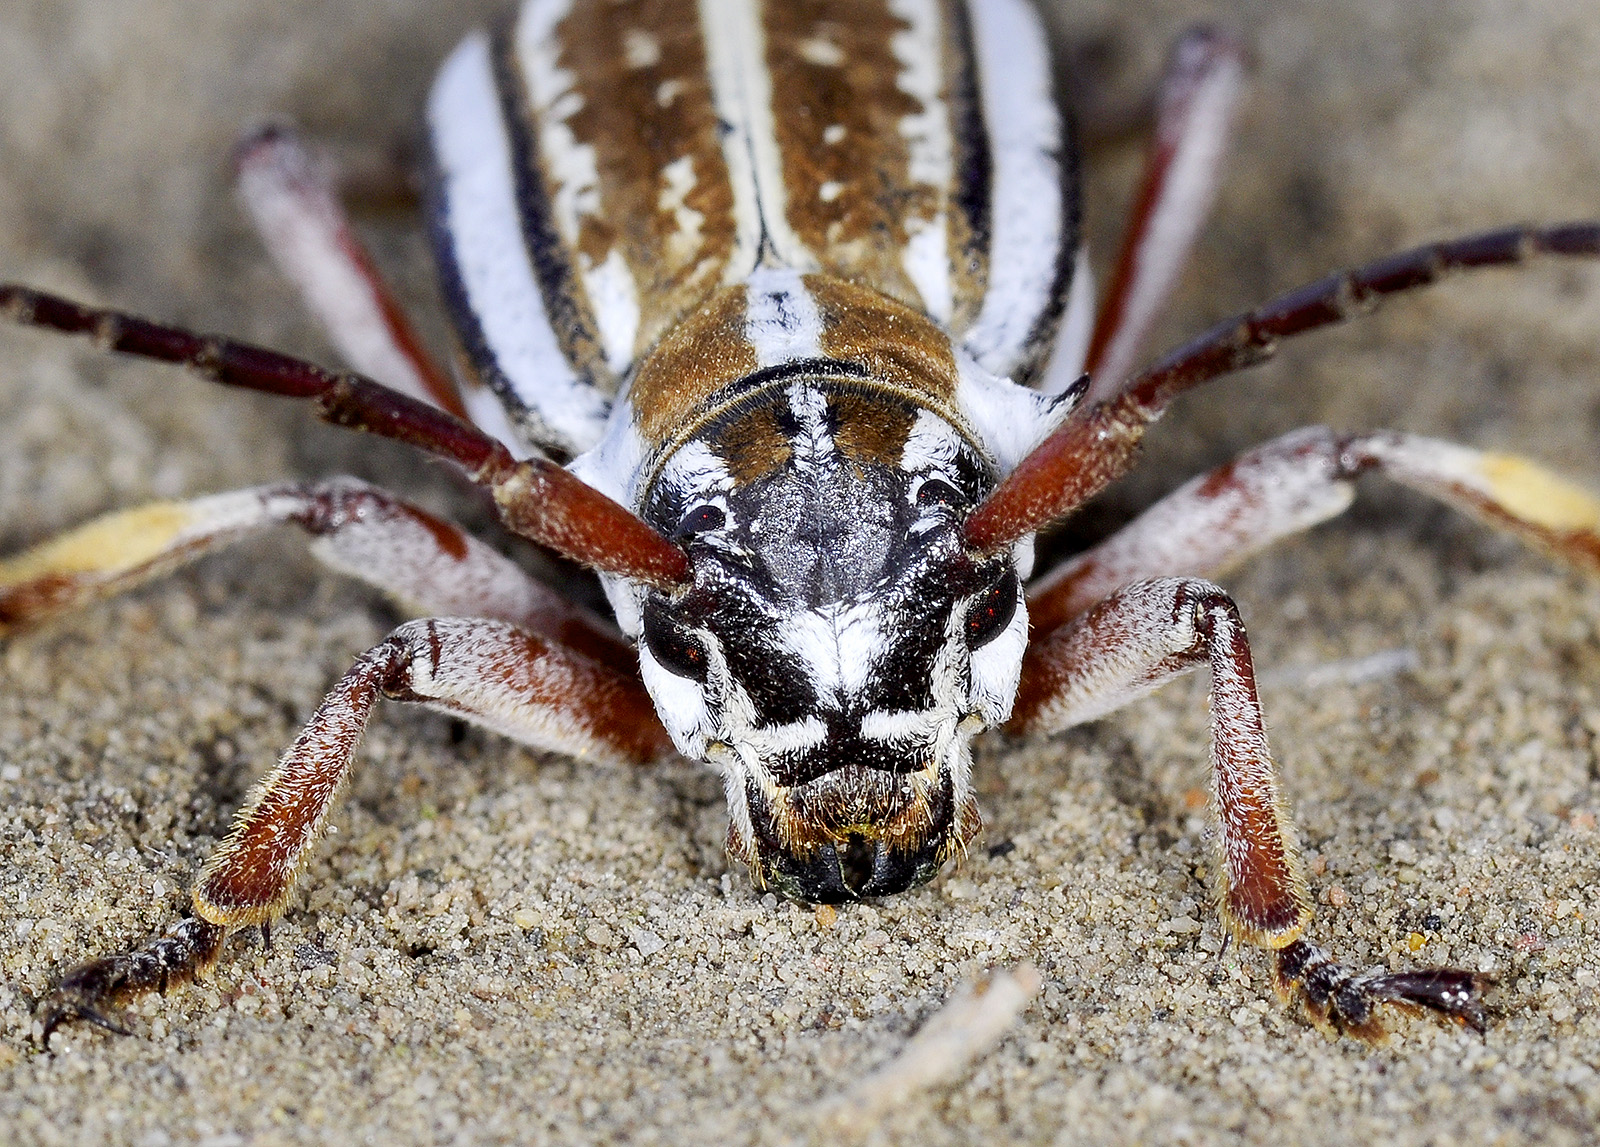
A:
[796,737]
[680,703]
[829,191]
[995,670]
[840,645]
[833,133]
[901,725]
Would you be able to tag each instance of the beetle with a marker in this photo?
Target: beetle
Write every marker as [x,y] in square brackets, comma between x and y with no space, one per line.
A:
[797,298]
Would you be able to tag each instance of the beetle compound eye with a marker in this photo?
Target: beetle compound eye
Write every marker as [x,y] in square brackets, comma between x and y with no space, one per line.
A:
[936,491]
[700,520]
[675,649]
[988,617]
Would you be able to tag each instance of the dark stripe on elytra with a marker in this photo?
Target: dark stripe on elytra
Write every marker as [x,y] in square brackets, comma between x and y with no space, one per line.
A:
[970,197]
[1042,338]
[468,329]
[565,300]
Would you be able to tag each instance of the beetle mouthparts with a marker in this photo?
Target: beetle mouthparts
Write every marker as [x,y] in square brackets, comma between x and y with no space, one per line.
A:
[851,869]
[854,833]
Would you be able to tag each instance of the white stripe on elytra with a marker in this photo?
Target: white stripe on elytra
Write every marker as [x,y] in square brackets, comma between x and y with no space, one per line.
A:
[574,177]
[741,89]
[677,181]
[1024,128]
[781,319]
[929,153]
[485,235]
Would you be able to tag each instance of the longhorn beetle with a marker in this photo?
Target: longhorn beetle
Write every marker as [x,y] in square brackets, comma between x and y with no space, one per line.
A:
[776,317]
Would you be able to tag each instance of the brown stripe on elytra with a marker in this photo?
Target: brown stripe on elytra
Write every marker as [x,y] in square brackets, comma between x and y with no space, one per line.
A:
[896,344]
[695,360]
[838,114]
[639,68]
[554,263]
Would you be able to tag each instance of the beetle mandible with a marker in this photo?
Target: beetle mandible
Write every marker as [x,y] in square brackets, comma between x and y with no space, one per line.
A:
[797,297]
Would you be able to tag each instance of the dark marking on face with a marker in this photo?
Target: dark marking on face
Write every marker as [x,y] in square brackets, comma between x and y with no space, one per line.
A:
[836,533]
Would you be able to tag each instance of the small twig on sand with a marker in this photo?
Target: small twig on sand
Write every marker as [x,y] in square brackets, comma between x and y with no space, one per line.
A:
[966,1027]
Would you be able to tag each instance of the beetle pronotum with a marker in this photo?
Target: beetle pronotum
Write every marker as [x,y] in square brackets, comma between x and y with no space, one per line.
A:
[785,286]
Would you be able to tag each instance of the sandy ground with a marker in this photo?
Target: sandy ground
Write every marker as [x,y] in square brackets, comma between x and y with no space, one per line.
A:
[501,947]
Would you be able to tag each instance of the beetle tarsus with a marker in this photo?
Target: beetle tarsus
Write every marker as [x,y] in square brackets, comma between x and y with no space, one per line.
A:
[187,950]
[1341,1003]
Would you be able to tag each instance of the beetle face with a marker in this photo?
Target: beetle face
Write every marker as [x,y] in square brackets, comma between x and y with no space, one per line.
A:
[838,647]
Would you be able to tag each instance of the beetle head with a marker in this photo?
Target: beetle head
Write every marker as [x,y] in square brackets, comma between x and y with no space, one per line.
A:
[838,646]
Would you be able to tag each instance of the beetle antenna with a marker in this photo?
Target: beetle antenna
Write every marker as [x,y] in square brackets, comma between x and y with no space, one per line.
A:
[536,498]
[1099,444]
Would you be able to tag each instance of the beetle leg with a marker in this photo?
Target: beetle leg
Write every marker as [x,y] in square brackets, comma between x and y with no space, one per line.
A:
[1292,483]
[291,200]
[431,566]
[1194,119]
[1100,441]
[1135,641]
[302,223]
[493,674]
[536,498]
